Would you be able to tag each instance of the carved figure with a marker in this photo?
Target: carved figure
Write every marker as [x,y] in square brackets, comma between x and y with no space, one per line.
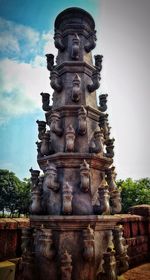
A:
[103,102]
[88,244]
[45,144]
[35,207]
[91,42]
[104,197]
[121,250]
[70,139]
[76,90]
[109,266]
[97,142]
[75,47]
[82,122]
[58,41]
[67,199]
[38,149]
[66,267]
[103,123]
[50,61]
[115,201]
[34,178]
[111,177]
[55,123]
[45,243]
[46,101]
[50,177]
[85,176]
[110,147]
[98,61]
[95,80]
[56,83]
[41,129]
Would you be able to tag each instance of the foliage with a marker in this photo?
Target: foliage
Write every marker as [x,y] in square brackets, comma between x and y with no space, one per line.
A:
[14,193]
[134,192]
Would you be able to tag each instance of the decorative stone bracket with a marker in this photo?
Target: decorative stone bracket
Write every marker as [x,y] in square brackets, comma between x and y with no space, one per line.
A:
[45,243]
[46,101]
[58,41]
[96,81]
[70,139]
[97,142]
[34,178]
[98,62]
[91,42]
[41,129]
[56,82]
[55,123]
[103,102]
[44,150]
[50,61]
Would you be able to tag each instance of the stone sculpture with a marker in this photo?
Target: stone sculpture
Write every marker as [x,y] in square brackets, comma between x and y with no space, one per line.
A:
[74,195]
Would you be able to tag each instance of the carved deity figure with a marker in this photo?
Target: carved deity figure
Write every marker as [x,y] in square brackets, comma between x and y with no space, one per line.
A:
[41,129]
[50,178]
[85,176]
[50,61]
[82,122]
[88,244]
[69,139]
[76,88]
[45,243]
[55,123]
[75,47]
[56,83]
[103,102]
[67,199]
[66,267]
[58,41]
[104,197]
[97,142]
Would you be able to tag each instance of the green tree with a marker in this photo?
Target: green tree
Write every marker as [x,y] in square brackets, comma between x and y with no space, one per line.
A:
[14,194]
[134,192]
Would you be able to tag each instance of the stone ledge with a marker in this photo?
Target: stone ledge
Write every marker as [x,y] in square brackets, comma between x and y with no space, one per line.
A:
[13,223]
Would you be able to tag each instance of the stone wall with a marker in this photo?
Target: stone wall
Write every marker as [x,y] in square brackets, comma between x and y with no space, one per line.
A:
[136,230]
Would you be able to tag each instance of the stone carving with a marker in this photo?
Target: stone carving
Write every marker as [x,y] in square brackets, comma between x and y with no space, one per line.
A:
[97,142]
[50,177]
[103,102]
[41,129]
[55,123]
[103,123]
[50,61]
[66,267]
[75,47]
[115,202]
[58,41]
[45,243]
[109,266]
[56,83]
[28,269]
[46,101]
[34,178]
[120,249]
[88,244]
[76,90]
[70,139]
[98,61]
[67,199]
[45,144]
[85,176]
[35,207]
[96,81]
[82,122]
[110,147]
[38,149]
[91,43]
[111,177]
[104,197]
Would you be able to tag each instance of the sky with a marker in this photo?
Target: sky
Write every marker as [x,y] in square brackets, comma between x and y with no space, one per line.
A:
[26,35]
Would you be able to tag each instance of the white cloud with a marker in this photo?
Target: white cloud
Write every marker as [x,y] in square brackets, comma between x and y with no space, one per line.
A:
[21,84]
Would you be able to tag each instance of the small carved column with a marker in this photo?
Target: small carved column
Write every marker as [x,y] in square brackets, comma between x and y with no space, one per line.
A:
[46,101]
[56,83]
[121,250]
[104,197]
[103,102]
[50,177]
[75,47]
[66,267]
[45,243]
[85,176]
[70,139]
[82,122]
[76,90]
[67,199]
[55,123]
[41,129]
[97,142]
[109,266]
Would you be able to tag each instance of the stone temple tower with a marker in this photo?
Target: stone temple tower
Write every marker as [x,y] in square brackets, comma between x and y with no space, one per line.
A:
[73,234]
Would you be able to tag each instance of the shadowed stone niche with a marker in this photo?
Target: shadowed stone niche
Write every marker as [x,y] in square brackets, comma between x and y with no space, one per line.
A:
[74,233]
